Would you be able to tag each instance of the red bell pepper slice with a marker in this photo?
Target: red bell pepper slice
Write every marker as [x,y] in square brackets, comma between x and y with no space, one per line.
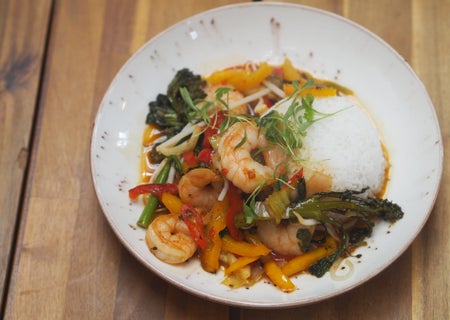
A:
[278,71]
[296,177]
[205,155]
[216,121]
[268,102]
[155,189]
[194,223]
[190,158]
[236,207]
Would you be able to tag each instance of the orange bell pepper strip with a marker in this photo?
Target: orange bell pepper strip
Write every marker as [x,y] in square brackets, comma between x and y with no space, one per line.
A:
[171,202]
[304,261]
[250,80]
[289,71]
[239,264]
[209,256]
[318,92]
[222,76]
[243,248]
[240,78]
[277,276]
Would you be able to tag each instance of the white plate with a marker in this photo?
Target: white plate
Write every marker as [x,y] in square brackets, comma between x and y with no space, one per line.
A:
[327,45]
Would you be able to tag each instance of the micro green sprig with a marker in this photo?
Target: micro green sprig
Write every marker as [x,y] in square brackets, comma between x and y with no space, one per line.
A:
[287,130]
[196,113]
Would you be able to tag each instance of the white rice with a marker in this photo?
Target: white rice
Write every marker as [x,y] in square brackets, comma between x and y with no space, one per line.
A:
[345,146]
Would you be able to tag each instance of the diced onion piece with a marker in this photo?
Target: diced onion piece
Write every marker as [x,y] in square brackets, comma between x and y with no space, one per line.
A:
[338,273]
[171,177]
[224,191]
[249,98]
[261,107]
[332,232]
[170,147]
[157,171]
[305,222]
[274,89]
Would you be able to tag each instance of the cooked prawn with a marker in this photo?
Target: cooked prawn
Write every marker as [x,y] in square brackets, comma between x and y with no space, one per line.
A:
[236,161]
[281,237]
[200,187]
[230,98]
[168,238]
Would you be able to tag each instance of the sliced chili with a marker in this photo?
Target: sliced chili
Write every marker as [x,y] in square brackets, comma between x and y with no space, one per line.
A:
[155,189]
[205,155]
[236,207]
[216,121]
[194,223]
[190,158]
[296,177]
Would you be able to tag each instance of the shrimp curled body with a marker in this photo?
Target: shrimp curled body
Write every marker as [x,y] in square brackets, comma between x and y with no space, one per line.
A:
[169,239]
[280,237]
[200,187]
[237,164]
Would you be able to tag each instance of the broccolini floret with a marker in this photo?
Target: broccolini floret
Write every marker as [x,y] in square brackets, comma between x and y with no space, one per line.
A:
[169,111]
[193,83]
[349,204]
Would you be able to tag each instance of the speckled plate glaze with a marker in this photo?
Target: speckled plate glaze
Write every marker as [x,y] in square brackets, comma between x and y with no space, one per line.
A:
[327,45]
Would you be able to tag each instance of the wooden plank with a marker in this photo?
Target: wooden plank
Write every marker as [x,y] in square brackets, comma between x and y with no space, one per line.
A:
[387,296]
[23,31]
[78,271]
[71,273]
[391,20]
[70,264]
[431,250]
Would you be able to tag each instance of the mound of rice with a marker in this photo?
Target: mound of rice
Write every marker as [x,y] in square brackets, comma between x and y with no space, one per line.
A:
[345,146]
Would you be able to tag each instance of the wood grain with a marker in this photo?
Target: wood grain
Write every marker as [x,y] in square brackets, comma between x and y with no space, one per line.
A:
[431,250]
[22,43]
[69,264]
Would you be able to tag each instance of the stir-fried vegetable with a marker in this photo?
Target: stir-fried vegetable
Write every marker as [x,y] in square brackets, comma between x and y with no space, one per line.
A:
[350,205]
[152,201]
[156,189]
[169,111]
[194,223]
[279,101]
[209,256]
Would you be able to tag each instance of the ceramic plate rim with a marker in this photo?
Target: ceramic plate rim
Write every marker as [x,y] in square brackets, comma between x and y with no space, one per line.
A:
[97,136]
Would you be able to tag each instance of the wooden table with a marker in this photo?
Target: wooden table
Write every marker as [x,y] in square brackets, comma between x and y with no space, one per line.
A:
[59,259]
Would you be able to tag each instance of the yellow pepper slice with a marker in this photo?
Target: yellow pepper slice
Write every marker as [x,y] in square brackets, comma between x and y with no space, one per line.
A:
[240,78]
[251,237]
[289,71]
[276,275]
[243,248]
[239,264]
[171,202]
[304,261]
[318,92]
[222,76]
[151,133]
[209,257]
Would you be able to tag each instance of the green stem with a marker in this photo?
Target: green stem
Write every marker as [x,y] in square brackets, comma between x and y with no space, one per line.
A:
[152,202]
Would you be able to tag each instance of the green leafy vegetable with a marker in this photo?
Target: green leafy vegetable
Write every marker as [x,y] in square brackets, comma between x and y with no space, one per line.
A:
[152,203]
[193,83]
[351,205]
[170,111]
[304,237]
